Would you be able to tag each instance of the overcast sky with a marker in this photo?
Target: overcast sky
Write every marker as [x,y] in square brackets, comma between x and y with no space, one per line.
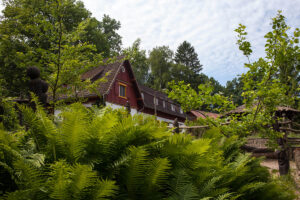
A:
[207,24]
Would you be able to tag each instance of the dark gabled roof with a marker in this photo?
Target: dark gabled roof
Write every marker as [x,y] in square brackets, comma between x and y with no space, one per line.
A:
[243,109]
[149,95]
[109,71]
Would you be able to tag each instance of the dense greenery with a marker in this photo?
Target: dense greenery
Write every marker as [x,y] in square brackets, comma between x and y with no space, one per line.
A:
[58,36]
[138,61]
[234,89]
[64,40]
[106,154]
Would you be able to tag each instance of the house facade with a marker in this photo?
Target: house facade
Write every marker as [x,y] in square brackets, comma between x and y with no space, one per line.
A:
[121,87]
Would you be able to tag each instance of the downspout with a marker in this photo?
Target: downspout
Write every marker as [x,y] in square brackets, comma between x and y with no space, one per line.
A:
[155,112]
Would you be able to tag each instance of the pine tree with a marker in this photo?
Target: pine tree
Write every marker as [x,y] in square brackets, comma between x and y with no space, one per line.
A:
[188,65]
[186,55]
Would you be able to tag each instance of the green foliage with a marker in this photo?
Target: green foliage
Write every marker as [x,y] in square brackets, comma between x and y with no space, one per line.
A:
[187,56]
[59,37]
[188,65]
[8,114]
[106,154]
[270,81]
[234,89]
[189,99]
[160,61]
[244,45]
[138,61]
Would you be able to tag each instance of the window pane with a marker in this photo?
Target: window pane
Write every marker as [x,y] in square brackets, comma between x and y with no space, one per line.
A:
[122,90]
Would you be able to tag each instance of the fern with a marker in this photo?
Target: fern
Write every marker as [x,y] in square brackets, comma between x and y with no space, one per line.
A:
[59,180]
[157,173]
[105,189]
[73,132]
[81,179]
[106,154]
[135,171]
[180,187]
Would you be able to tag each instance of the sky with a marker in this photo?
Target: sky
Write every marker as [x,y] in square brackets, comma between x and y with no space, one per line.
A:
[207,24]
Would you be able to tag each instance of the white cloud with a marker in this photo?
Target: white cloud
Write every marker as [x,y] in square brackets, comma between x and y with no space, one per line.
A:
[207,24]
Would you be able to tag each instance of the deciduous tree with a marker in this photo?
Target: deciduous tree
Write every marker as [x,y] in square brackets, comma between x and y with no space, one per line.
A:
[161,63]
[138,60]
[55,35]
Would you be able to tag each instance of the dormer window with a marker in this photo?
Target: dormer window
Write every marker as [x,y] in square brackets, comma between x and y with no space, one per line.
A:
[181,111]
[122,90]
[172,107]
[155,101]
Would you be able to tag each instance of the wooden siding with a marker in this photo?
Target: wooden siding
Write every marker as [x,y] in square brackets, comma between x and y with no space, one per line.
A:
[162,114]
[123,78]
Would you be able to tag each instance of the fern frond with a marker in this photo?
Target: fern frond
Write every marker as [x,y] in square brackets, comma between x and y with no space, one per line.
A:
[157,172]
[29,177]
[188,192]
[59,180]
[208,188]
[181,187]
[82,178]
[105,189]
[224,196]
[73,132]
[251,187]
[198,146]
[136,169]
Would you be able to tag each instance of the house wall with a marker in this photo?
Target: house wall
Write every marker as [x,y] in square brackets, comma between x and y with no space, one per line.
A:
[135,111]
[113,95]
[167,117]
[115,106]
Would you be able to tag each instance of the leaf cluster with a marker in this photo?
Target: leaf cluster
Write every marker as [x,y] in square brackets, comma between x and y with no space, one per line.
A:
[106,154]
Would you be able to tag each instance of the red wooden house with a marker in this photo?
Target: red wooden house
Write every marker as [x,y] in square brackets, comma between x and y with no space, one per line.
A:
[121,86]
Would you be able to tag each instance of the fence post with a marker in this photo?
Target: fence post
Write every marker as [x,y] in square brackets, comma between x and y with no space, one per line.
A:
[176,125]
[283,156]
[128,108]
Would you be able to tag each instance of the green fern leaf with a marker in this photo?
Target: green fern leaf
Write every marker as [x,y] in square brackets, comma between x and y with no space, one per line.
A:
[105,189]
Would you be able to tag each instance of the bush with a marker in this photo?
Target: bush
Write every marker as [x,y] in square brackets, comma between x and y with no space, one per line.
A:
[105,154]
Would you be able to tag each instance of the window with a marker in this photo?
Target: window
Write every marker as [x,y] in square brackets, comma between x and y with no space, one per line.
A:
[123,69]
[172,107]
[155,101]
[142,94]
[122,90]
[181,111]
[164,104]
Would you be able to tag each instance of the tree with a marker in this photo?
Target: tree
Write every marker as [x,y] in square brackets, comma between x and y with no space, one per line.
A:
[202,99]
[188,64]
[277,82]
[109,27]
[138,61]
[42,32]
[234,88]
[263,91]
[160,61]
[186,55]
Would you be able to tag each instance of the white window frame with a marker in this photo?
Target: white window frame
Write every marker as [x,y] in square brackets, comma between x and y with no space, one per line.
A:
[155,101]
[172,107]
